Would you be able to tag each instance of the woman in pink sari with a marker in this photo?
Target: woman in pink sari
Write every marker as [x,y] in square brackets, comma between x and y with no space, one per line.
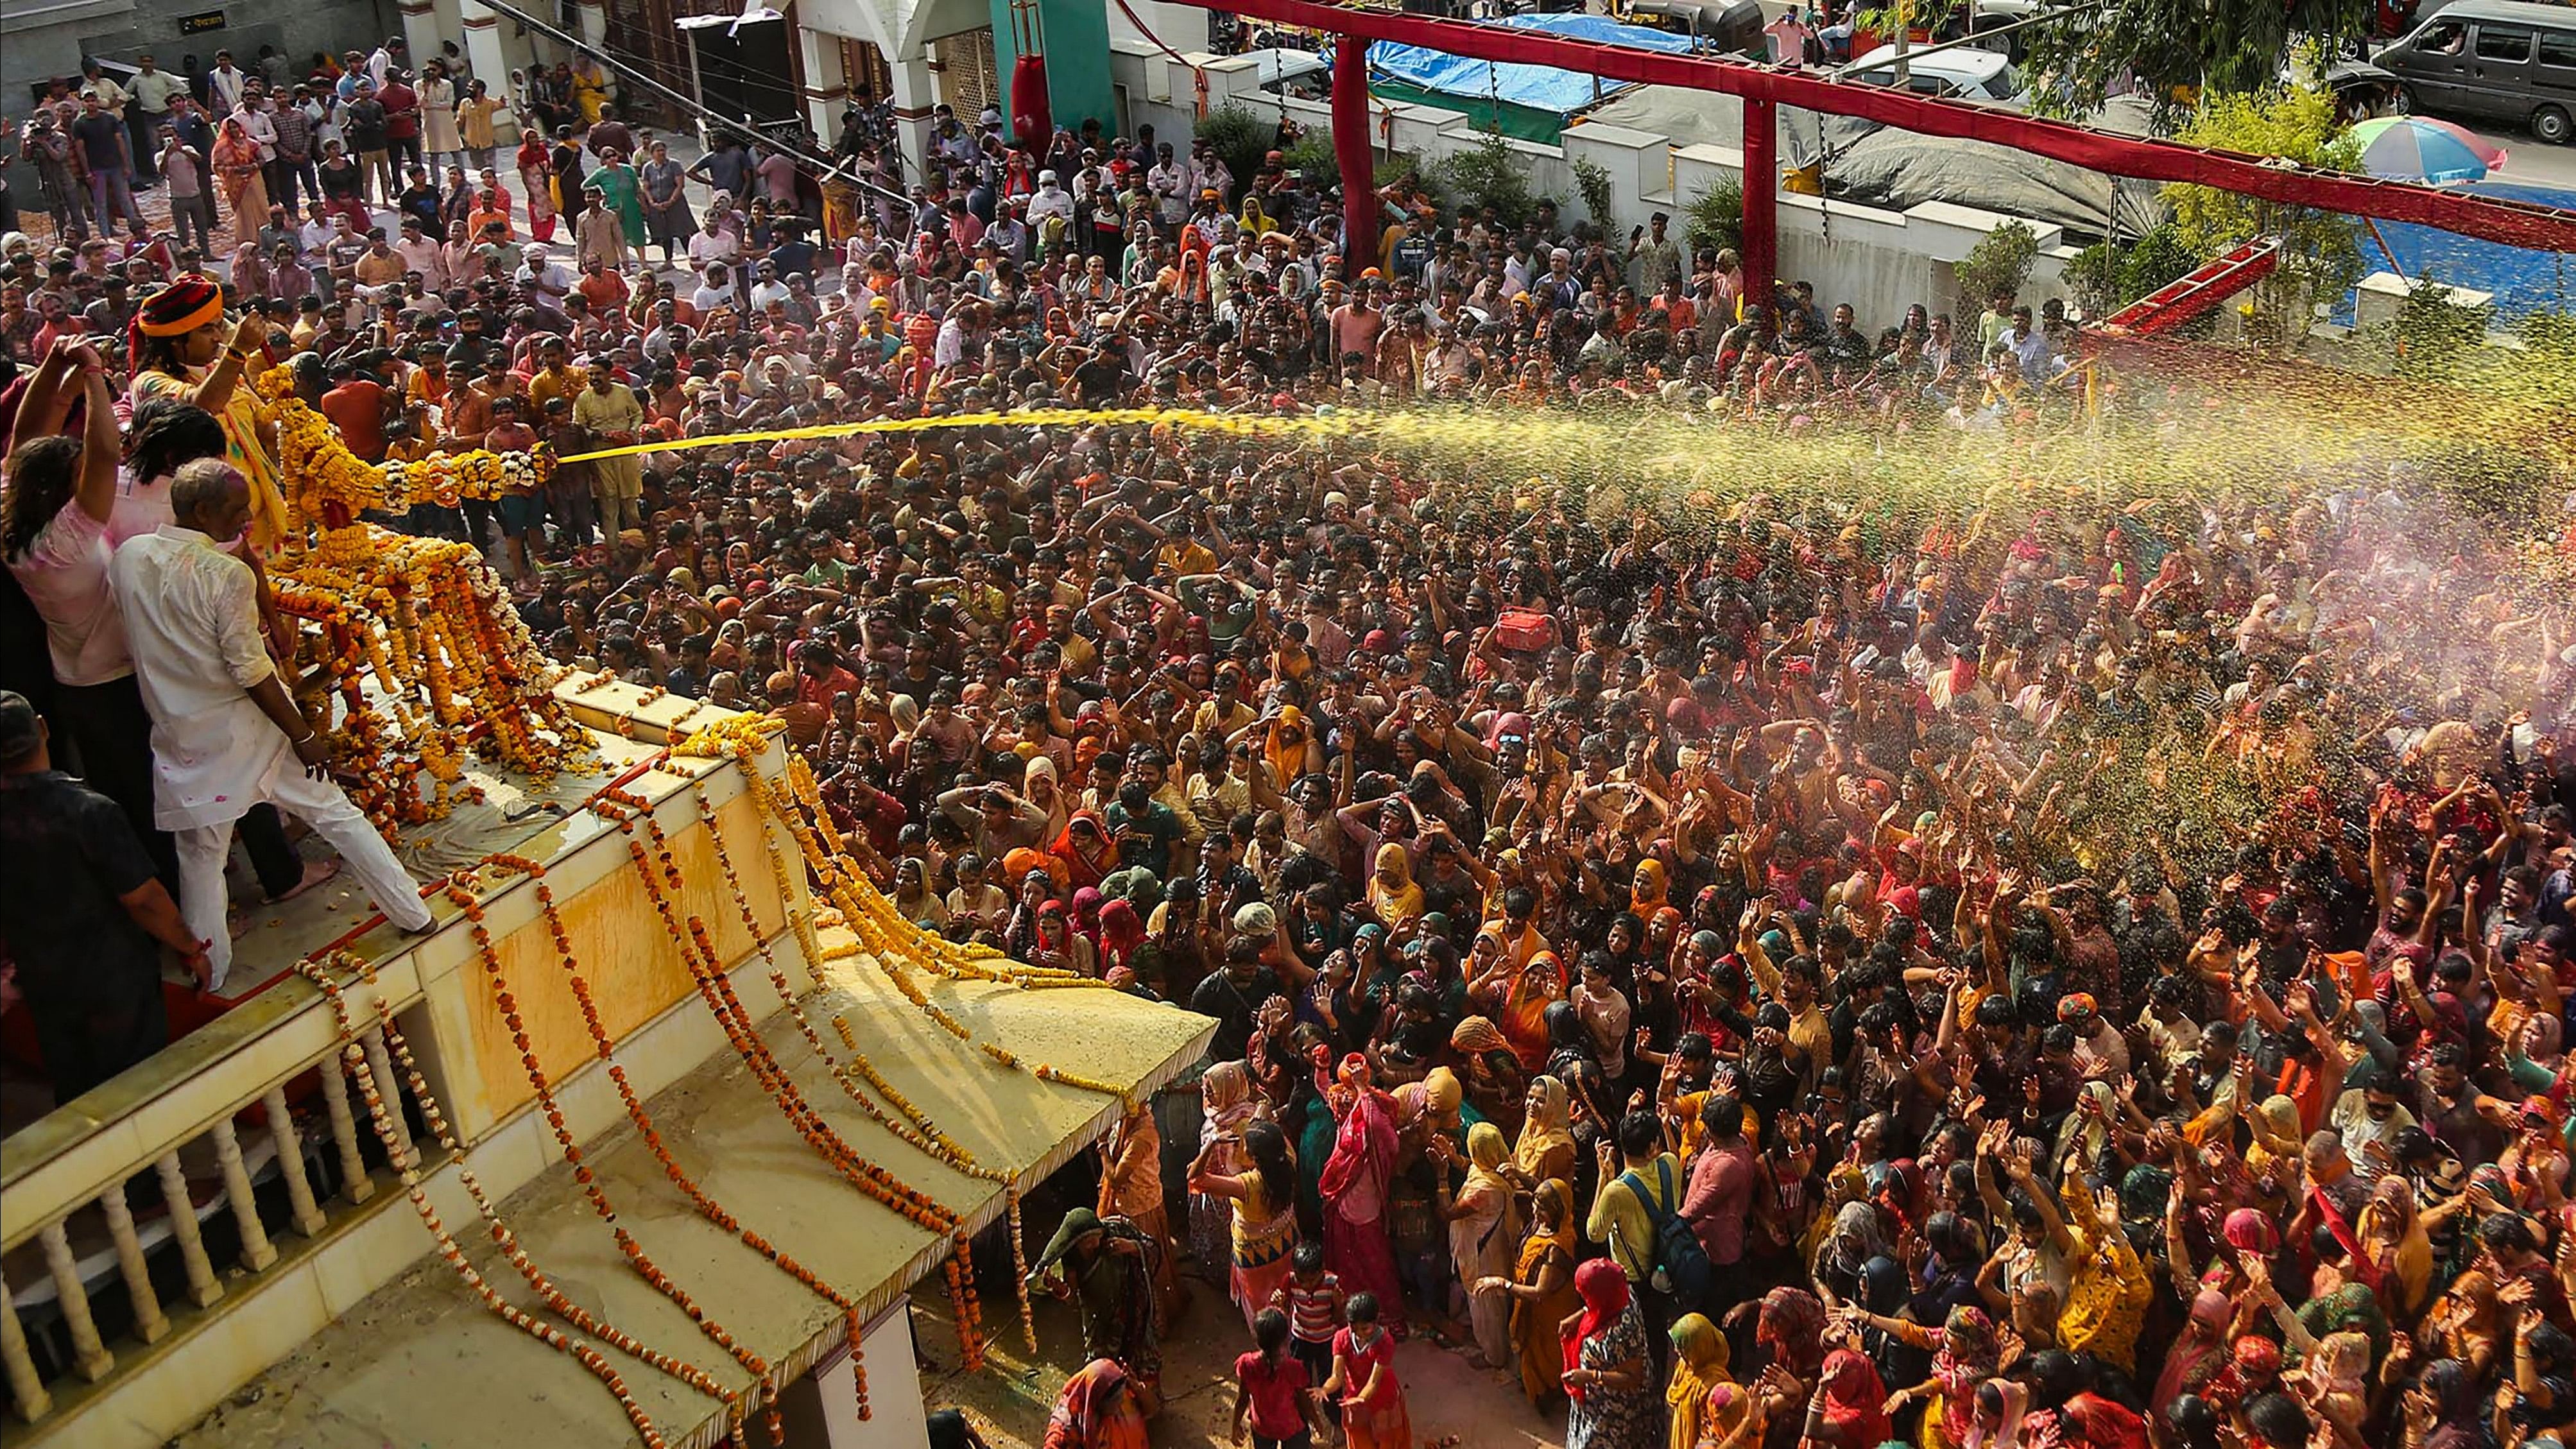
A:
[1355,1188]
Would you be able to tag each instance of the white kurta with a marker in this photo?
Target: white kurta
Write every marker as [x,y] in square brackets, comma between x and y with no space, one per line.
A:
[192,621]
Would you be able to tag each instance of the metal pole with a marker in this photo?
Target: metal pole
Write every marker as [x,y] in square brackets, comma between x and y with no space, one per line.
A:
[697,88]
[1761,200]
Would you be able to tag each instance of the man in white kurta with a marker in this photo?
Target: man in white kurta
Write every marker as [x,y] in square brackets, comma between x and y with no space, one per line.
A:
[225,734]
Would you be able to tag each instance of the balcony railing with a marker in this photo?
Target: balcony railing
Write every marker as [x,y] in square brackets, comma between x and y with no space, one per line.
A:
[249,1152]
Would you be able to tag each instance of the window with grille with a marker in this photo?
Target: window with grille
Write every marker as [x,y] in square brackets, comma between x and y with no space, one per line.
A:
[967,78]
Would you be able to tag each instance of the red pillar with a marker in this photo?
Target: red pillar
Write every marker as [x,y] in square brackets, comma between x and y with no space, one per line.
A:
[1761,200]
[1351,148]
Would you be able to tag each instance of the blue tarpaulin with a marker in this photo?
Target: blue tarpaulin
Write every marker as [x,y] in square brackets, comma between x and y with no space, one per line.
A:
[1534,87]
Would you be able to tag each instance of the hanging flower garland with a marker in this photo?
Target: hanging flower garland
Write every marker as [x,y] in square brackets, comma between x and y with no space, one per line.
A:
[398,1152]
[913,1126]
[892,941]
[424,620]
[716,1333]
[323,474]
[603,1047]
[662,883]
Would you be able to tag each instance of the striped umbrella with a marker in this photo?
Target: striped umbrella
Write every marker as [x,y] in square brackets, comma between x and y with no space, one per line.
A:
[2419,148]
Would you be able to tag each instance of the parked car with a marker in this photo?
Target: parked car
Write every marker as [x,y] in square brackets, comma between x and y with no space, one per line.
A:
[2491,62]
[1720,25]
[1966,73]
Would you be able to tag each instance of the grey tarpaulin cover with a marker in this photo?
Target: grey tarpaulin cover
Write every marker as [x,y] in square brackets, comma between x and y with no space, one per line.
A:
[1880,166]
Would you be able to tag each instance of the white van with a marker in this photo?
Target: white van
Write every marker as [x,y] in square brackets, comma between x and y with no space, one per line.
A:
[1966,73]
[2492,62]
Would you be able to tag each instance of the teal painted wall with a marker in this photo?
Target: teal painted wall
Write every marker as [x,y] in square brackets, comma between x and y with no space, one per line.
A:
[1076,34]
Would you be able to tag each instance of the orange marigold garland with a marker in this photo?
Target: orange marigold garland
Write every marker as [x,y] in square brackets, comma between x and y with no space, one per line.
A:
[763,1374]
[661,876]
[399,1153]
[713,1211]
[427,618]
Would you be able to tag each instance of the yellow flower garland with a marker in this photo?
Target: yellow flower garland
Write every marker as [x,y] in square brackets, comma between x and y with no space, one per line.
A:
[422,619]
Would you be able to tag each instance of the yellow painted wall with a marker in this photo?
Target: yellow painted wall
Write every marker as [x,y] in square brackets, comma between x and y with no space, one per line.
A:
[632,966]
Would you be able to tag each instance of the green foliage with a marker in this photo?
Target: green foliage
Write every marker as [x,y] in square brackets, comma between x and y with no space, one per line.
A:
[1882,20]
[1317,165]
[1714,219]
[1239,137]
[2094,278]
[1999,263]
[1592,182]
[2107,276]
[1490,174]
[2154,260]
[2182,52]
[2431,335]
[2321,251]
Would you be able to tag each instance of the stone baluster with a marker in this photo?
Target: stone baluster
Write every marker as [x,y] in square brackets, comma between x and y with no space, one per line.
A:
[306,1214]
[203,1289]
[256,1250]
[24,1385]
[149,1325]
[355,1185]
[380,1065]
[88,1354]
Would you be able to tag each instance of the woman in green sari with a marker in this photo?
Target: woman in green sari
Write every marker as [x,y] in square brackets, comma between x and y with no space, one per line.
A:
[623,190]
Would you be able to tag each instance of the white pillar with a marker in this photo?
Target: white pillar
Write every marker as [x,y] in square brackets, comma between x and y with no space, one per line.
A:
[421,34]
[592,16]
[912,92]
[827,86]
[451,24]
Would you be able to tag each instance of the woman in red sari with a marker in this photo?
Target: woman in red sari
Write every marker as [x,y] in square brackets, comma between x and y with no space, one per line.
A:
[1121,932]
[1085,851]
[1849,1408]
[1356,1183]
[1097,1410]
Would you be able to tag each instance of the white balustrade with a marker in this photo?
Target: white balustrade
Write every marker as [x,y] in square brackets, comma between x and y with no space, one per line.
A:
[355,1185]
[256,1252]
[25,1385]
[149,1323]
[302,1210]
[88,1354]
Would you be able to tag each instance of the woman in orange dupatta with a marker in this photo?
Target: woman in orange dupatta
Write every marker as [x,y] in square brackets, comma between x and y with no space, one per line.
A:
[1084,849]
[1097,1410]
[1542,1292]
[1522,1012]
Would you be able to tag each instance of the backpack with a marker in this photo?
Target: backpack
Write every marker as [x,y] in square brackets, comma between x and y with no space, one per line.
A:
[1681,1266]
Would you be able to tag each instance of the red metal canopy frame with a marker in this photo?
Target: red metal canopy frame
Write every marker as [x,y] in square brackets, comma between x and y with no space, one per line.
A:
[1765,87]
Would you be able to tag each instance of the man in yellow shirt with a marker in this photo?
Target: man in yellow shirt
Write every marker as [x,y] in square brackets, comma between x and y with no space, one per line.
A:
[554,377]
[1811,1036]
[1619,1219]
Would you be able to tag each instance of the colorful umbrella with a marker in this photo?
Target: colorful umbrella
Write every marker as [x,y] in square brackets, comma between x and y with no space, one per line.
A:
[2419,148]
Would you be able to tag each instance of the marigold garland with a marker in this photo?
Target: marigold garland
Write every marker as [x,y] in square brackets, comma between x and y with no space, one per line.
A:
[604,1048]
[425,619]
[322,474]
[763,1374]
[662,883]
[407,1164]
[891,941]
